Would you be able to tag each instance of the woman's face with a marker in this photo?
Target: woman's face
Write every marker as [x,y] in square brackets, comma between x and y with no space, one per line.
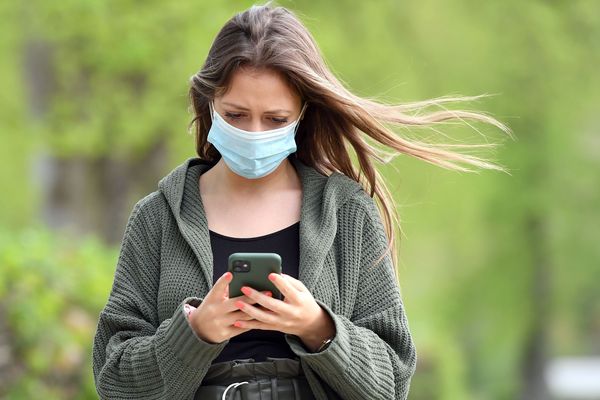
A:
[258,100]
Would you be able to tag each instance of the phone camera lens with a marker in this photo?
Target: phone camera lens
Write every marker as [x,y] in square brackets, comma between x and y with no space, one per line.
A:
[241,266]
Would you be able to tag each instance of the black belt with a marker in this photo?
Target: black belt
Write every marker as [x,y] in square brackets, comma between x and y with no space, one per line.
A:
[276,378]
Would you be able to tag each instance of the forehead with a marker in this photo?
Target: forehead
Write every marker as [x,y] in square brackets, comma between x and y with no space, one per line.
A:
[260,87]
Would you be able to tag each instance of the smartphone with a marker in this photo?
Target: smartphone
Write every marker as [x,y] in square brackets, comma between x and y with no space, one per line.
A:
[253,269]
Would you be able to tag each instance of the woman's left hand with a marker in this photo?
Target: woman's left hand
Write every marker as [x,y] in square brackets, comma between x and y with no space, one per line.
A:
[298,314]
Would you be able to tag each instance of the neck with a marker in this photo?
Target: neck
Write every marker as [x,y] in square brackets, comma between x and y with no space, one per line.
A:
[228,182]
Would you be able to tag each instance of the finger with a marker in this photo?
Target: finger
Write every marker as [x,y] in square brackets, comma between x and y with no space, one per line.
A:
[263,315]
[298,284]
[230,303]
[237,315]
[269,303]
[284,286]
[220,286]
[238,331]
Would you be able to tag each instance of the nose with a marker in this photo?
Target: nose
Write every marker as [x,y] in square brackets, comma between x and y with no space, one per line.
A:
[257,125]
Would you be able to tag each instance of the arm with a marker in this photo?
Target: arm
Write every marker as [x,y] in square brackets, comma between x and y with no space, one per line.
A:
[372,355]
[135,356]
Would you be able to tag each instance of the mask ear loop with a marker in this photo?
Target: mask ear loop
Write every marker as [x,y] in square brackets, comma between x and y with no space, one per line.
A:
[300,118]
[302,111]
[210,107]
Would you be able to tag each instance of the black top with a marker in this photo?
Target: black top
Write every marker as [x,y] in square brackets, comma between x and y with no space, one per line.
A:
[257,343]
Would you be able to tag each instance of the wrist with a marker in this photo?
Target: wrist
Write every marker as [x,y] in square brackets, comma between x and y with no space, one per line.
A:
[320,334]
[324,344]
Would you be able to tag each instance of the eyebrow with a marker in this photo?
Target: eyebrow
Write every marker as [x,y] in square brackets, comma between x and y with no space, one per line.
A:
[281,110]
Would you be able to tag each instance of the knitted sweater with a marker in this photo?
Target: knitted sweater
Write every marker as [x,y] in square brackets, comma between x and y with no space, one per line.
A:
[145,348]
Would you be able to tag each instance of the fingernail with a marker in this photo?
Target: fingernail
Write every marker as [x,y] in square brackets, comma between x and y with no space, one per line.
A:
[246,290]
[272,277]
[269,294]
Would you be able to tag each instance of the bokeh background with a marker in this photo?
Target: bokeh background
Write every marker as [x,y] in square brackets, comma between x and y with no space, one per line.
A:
[499,272]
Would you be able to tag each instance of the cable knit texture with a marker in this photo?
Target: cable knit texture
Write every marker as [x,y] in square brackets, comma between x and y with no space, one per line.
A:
[144,347]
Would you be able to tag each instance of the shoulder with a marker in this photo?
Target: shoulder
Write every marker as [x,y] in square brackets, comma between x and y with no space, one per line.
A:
[147,213]
[356,199]
[333,189]
[339,195]
[347,191]
[151,204]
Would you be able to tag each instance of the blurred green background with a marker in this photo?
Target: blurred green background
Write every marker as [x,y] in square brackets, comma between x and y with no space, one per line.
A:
[499,273]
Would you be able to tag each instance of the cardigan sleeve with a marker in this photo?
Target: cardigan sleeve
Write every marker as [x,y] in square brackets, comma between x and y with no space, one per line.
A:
[134,355]
[372,355]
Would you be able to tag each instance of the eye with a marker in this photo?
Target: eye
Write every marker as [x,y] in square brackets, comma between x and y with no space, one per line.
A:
[233,115]
[279,120]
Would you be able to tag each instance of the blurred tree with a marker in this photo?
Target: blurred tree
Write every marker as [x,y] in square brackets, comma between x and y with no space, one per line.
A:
[101,89]
[498,272]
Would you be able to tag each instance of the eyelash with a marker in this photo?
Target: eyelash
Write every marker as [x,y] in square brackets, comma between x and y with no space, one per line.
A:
[237,116]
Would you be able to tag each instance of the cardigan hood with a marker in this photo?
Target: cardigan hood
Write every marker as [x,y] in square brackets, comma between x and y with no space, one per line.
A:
[322,196]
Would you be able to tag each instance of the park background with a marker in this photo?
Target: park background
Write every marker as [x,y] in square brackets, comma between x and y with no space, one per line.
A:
[499,272]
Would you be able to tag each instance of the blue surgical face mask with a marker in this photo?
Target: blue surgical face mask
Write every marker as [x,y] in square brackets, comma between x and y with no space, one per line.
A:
[252,154]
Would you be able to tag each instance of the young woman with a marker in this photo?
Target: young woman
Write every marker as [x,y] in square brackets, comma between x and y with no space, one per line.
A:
[273,174]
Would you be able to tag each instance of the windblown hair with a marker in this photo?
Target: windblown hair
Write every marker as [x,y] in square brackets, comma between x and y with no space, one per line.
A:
[336,121]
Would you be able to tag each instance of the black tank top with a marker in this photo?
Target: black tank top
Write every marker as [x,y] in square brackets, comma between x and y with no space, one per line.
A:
[257,343]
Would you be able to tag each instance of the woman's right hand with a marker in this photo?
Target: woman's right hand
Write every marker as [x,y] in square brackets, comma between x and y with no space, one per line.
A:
[214,318]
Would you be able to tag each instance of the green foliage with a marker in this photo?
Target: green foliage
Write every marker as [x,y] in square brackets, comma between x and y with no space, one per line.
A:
[468,262]
[52,290]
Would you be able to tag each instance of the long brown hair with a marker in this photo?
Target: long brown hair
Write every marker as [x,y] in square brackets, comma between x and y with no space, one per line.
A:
[336,122]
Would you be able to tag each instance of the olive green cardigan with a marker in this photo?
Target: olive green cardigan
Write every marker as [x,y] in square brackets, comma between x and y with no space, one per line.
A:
[144,347]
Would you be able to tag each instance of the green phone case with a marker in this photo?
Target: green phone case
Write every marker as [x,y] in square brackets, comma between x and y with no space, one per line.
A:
[253,269]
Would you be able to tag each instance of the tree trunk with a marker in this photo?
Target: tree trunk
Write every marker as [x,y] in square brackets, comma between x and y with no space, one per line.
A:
[84,196]
[535,353]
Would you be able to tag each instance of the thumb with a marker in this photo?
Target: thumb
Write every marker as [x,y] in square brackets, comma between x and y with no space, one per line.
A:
[221,287]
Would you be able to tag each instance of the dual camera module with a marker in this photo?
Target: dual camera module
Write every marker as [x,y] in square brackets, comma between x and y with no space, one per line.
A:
[241,266]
